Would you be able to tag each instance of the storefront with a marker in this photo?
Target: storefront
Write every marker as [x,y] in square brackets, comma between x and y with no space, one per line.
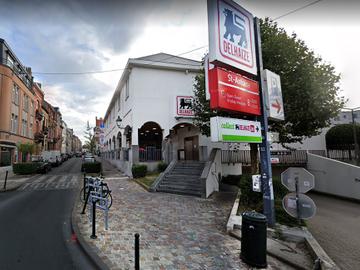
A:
[7,153]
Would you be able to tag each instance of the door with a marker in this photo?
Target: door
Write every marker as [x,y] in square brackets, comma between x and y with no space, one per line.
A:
[191,147]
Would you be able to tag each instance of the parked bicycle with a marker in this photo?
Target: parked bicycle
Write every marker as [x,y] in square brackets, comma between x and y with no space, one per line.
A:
[96,184]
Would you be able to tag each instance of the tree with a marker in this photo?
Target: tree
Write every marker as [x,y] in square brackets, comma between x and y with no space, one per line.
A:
[25,149]
[90,142]
[342,137]
[310,88]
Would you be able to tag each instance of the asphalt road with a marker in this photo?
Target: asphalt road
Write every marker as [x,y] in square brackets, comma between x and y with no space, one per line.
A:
[35,231]
[336,226]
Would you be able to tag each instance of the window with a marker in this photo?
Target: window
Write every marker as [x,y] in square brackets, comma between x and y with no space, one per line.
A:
[24,128]
[127,89]
[32,108]
[26,103]
[14,123]
[9,61]
[15,94]
[31,130]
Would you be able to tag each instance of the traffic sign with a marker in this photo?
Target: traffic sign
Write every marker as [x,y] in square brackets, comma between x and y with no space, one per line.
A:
[306,181]
[301,207]
[274,101]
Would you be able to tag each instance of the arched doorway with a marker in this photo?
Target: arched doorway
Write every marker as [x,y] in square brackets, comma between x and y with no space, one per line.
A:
[150,142]
[185,137]
[118,137]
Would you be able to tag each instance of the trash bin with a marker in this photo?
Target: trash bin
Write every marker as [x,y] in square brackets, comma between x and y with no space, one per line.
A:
[253,239]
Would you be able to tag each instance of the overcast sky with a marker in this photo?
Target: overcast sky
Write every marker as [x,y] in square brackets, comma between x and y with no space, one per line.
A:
[80,36]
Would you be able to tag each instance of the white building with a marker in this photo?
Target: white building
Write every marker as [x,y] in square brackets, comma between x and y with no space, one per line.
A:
[153,99]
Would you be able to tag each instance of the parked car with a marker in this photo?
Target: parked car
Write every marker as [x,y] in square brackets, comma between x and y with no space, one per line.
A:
[43,166]
[87,158]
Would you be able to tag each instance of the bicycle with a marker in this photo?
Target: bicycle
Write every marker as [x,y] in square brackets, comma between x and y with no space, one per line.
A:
[92,184]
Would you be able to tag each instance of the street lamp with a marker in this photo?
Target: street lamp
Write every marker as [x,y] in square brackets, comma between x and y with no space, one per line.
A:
[357,154]
[118,121]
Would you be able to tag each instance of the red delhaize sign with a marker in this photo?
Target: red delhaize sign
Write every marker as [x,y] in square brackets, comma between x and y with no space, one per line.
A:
[233,92]
[231,35]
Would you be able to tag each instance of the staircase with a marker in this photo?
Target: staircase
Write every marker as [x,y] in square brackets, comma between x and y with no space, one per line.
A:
[184,179]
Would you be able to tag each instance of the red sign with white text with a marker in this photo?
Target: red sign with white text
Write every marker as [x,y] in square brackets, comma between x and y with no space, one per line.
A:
[233,92]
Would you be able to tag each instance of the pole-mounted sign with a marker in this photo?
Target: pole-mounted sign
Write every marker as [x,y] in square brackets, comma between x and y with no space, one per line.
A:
[231,35]
[274,101]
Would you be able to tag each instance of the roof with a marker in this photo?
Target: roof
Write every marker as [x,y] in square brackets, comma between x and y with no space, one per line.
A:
[156,61]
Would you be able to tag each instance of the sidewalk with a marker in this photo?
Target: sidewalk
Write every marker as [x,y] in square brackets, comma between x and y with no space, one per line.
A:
[176,232]
[13,181]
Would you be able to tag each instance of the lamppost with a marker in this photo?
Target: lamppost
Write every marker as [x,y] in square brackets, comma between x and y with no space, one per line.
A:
[357,154]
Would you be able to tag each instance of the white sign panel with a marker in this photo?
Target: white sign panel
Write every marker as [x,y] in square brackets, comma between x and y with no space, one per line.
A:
[306,180]
[274,101]
[184,106]
[256,183]
[235,130]
[231,35]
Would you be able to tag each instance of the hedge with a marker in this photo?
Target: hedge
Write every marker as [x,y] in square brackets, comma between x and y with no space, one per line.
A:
[92,167]
[162,166]
[139,170]
[25,168]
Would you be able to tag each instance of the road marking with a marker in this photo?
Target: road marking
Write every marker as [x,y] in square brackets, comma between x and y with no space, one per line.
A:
[52,182]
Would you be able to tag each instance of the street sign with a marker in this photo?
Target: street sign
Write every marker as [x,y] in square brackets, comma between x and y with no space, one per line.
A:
[234,130]
[207,68]
[302,207]
[233,92]
[231,35]
[274,100]
[275,160]
[256,183]
[306,181]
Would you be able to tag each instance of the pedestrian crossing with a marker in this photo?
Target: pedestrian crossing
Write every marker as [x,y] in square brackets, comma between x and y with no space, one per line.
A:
[52,182]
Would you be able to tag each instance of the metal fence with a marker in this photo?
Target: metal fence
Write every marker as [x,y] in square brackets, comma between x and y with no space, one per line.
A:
[150,153]
[341,154]
[284,156]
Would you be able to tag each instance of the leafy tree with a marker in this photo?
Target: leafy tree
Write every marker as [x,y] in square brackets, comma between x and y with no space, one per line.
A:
[342,136]
[25,149]
[90,143]
[310,88]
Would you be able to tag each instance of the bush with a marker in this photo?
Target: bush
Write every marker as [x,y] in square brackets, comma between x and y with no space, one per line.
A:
[92,167]
[162,166]
[25,168]
[139,170]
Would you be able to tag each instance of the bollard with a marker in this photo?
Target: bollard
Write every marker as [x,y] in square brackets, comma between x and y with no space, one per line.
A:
[6,176]
[93,235]
[137,251]
[86,200]
[84,184]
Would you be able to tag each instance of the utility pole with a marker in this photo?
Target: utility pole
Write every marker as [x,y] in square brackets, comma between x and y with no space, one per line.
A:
[357,154]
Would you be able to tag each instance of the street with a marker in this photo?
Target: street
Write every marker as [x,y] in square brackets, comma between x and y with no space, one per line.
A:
[336,227]
[35,228]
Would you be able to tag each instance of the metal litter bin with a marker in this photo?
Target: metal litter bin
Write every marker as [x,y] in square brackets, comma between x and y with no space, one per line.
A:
[253,239]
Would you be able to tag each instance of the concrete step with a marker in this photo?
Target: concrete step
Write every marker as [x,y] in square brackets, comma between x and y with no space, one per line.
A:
[187,178]
[180,185]
[181,191]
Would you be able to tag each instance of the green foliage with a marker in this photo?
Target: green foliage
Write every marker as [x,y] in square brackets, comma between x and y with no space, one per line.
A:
[92,167]
[310,87]
[139,170]
[342,136]
[25,168]
[161,166]
[253,200]
[90,143]
[25,149]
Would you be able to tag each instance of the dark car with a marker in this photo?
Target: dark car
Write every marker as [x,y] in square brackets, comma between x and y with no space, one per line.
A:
[43,167]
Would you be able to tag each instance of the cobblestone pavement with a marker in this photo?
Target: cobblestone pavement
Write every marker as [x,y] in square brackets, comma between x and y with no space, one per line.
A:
[176,232]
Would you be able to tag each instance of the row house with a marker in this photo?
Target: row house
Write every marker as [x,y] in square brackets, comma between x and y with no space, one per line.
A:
[25,115]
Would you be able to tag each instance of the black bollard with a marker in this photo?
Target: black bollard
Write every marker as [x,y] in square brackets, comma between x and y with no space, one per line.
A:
[93,235]
[84,184]
[6,176]
[137,251]
[86,200]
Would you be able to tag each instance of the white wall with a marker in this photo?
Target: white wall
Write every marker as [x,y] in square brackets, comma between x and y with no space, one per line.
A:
[335,177]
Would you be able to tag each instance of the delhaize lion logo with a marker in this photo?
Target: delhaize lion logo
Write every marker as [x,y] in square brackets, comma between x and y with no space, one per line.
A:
[235,26]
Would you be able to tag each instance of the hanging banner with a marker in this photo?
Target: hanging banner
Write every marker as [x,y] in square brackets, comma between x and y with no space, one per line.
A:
[233,92]
[231,35]
[234,130]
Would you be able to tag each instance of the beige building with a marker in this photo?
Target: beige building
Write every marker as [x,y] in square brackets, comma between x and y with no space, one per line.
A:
[17,106]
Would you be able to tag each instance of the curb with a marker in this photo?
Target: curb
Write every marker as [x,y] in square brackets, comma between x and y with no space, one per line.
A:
[85,247]
[316,251]
[142,185]
[16,187]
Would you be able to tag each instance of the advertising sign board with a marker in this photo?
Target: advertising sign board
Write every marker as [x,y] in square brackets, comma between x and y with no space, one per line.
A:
[231,35]
[207,68]
[184,106]
[231,91]
[234,130]
[274,101]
